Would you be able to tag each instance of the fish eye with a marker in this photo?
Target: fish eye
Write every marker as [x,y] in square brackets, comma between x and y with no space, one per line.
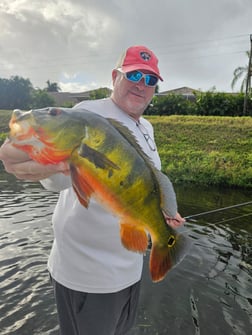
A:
[54,111]
[171,241]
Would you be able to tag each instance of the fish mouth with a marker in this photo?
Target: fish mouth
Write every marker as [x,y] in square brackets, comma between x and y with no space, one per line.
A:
[27,134]
[20,131]
[15,129]
[20,124]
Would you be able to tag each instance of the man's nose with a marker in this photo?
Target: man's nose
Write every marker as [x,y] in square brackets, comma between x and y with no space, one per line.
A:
[141,83]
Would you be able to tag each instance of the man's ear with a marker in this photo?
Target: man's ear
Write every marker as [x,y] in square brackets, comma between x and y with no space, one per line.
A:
[114,75]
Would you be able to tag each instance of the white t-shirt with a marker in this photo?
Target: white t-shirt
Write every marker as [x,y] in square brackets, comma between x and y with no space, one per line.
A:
[87,254]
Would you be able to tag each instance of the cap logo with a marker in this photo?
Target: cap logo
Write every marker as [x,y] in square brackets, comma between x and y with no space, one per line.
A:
[145,55]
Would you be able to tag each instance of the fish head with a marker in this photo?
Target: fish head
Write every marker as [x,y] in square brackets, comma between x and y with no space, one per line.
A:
[48,135]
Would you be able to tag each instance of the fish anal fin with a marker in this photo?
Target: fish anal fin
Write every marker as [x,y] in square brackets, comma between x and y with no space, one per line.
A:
[80,186]
[133,238]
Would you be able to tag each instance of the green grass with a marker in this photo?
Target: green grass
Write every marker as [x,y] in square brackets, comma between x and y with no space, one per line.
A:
[201,150]
[4,121]
[205,150]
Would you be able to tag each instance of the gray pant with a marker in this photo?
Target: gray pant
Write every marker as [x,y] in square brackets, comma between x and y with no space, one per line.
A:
[83,313]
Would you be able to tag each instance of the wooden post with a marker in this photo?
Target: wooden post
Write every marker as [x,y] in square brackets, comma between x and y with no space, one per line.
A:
[248,79]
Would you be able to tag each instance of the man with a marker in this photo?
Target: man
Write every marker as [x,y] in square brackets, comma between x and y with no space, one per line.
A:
[96,280]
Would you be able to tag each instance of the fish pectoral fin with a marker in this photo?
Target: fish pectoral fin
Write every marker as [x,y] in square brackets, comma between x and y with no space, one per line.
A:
[133,238]
[82,189]
[96,157]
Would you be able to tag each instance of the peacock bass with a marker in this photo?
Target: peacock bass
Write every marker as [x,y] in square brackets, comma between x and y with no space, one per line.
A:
[107,163]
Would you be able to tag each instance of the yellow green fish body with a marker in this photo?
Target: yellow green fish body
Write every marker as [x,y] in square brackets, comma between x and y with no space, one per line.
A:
[107,163]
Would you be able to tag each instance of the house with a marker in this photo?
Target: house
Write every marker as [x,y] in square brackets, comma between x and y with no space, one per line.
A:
[186,92]
[62,98]
[68,98]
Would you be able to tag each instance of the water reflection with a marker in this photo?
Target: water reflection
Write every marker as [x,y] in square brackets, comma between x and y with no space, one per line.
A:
[209,293]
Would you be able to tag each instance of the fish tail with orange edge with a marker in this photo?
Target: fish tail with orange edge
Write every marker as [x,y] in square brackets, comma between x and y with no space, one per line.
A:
[165,257]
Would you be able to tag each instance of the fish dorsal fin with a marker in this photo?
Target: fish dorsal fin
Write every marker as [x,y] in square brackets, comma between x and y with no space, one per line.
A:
[130,137]
[167,194]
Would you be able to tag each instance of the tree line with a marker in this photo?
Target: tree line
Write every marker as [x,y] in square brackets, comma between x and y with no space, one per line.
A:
[18,92]
[202,103]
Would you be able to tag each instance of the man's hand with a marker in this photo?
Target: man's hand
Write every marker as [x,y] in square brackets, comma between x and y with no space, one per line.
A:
[175,222]
[18,163]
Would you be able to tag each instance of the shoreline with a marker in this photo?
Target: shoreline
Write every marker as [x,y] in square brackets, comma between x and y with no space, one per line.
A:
[200,150]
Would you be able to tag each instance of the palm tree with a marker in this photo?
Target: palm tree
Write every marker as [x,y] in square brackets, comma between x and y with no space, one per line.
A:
[239,72]
[52,87]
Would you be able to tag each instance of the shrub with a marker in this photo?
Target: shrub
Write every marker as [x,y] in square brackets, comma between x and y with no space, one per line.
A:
[205,104]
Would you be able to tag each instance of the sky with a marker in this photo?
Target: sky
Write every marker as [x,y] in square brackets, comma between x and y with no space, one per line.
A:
[76,43]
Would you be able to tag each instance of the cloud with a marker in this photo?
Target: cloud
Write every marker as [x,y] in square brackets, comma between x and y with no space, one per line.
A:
[76,43]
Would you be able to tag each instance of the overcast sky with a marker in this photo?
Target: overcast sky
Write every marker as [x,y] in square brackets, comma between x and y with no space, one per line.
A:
[76,43]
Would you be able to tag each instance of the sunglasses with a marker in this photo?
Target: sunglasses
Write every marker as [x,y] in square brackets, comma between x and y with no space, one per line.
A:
[135,76]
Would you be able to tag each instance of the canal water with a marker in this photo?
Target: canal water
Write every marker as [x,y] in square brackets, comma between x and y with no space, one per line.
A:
[208,293]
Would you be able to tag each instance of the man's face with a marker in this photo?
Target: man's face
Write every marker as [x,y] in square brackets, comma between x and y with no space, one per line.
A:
[133,98]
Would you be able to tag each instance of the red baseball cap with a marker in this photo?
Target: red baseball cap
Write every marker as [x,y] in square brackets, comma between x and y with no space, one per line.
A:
[139,58]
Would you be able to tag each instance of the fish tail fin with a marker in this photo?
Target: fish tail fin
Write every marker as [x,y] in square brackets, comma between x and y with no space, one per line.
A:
[164,257]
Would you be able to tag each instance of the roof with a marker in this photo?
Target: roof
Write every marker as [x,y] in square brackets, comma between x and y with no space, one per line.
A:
[181,90]
[68,97]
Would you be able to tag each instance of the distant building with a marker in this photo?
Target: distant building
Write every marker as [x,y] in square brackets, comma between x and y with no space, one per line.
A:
[62,98]
[186,92]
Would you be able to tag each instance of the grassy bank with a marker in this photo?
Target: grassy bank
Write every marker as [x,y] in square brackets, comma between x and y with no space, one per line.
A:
[206,150]
[200,150]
